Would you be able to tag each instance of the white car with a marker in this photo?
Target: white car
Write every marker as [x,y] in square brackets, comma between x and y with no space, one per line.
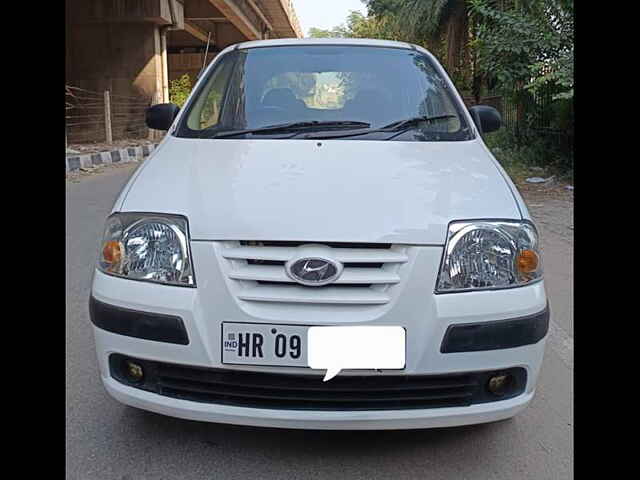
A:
[326,187]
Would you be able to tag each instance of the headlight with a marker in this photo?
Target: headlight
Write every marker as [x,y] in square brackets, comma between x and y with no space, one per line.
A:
[147,247]
[483,255]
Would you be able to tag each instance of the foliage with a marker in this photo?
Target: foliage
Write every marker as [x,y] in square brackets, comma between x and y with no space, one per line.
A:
[526,45]
[557,68]
[360,26]
[423,19]
[526,48]
[562,115]
[510,43]
[518,157]
[179,90]
[336,32]
[522,48]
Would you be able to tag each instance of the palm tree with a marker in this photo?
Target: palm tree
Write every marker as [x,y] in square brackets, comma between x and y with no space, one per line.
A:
[431,21]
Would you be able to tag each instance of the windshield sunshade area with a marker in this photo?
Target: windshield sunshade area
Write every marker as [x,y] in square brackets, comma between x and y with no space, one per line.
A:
[308,91]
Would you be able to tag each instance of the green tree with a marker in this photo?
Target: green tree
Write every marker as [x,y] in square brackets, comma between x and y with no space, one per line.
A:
[361,26]
[526,44]
[179,90]
[336,32]
[527,47]
[358,25]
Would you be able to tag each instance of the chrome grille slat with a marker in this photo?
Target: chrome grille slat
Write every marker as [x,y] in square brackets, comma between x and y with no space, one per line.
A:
[344,255]
[300,294]
[275,273]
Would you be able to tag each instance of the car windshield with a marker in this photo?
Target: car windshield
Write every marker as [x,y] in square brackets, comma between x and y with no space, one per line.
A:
[307,91]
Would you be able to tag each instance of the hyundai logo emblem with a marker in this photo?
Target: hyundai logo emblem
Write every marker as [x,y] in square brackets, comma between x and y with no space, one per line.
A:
[313,271]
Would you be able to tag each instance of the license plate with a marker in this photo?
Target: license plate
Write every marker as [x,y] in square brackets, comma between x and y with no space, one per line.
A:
[333,348]
[268,345]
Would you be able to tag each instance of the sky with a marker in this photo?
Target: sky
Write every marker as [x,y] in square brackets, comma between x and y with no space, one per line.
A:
[325,14]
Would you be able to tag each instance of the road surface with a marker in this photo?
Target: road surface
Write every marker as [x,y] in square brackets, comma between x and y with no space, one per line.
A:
[106,440]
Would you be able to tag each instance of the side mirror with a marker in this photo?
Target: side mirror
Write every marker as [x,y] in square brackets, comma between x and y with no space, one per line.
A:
[486,118]
[161,116]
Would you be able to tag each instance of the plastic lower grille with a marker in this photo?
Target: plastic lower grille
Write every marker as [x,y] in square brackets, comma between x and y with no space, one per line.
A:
[306,392]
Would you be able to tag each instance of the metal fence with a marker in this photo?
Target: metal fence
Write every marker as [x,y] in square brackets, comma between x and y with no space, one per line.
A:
[538,115]
[104,116]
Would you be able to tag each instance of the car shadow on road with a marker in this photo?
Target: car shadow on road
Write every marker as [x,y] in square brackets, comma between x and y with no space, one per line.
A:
[318,442]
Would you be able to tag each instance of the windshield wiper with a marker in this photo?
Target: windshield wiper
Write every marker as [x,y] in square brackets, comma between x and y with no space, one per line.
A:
[397,126]
[292,126]
[400,124]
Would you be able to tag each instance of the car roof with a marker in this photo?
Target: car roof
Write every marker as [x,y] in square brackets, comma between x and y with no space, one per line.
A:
[324,41]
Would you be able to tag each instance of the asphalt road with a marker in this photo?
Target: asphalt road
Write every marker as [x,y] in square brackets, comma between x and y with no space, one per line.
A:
[106,440]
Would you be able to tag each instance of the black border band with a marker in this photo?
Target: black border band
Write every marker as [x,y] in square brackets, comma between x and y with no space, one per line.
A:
[497,335]
[132,323]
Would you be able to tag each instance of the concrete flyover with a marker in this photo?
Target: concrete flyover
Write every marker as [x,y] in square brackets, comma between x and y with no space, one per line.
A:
[135,47]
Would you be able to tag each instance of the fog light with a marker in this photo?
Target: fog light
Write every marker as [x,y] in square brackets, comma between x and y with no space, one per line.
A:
[500,384]
[134,371]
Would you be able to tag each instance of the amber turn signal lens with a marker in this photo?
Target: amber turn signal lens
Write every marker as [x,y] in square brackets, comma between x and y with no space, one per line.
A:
[527,261]
[112,252]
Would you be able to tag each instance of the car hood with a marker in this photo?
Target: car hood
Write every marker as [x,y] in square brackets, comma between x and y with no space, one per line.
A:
[321,191]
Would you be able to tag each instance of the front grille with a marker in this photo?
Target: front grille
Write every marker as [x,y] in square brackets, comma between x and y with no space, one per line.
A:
[309,392]
[258,269]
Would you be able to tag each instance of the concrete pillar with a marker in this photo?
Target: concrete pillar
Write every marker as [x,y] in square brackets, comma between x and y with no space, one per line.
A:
[117,46]
[125,58]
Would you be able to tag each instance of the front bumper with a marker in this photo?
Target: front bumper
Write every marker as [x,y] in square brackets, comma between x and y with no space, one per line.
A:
[318,420]
[426,318]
